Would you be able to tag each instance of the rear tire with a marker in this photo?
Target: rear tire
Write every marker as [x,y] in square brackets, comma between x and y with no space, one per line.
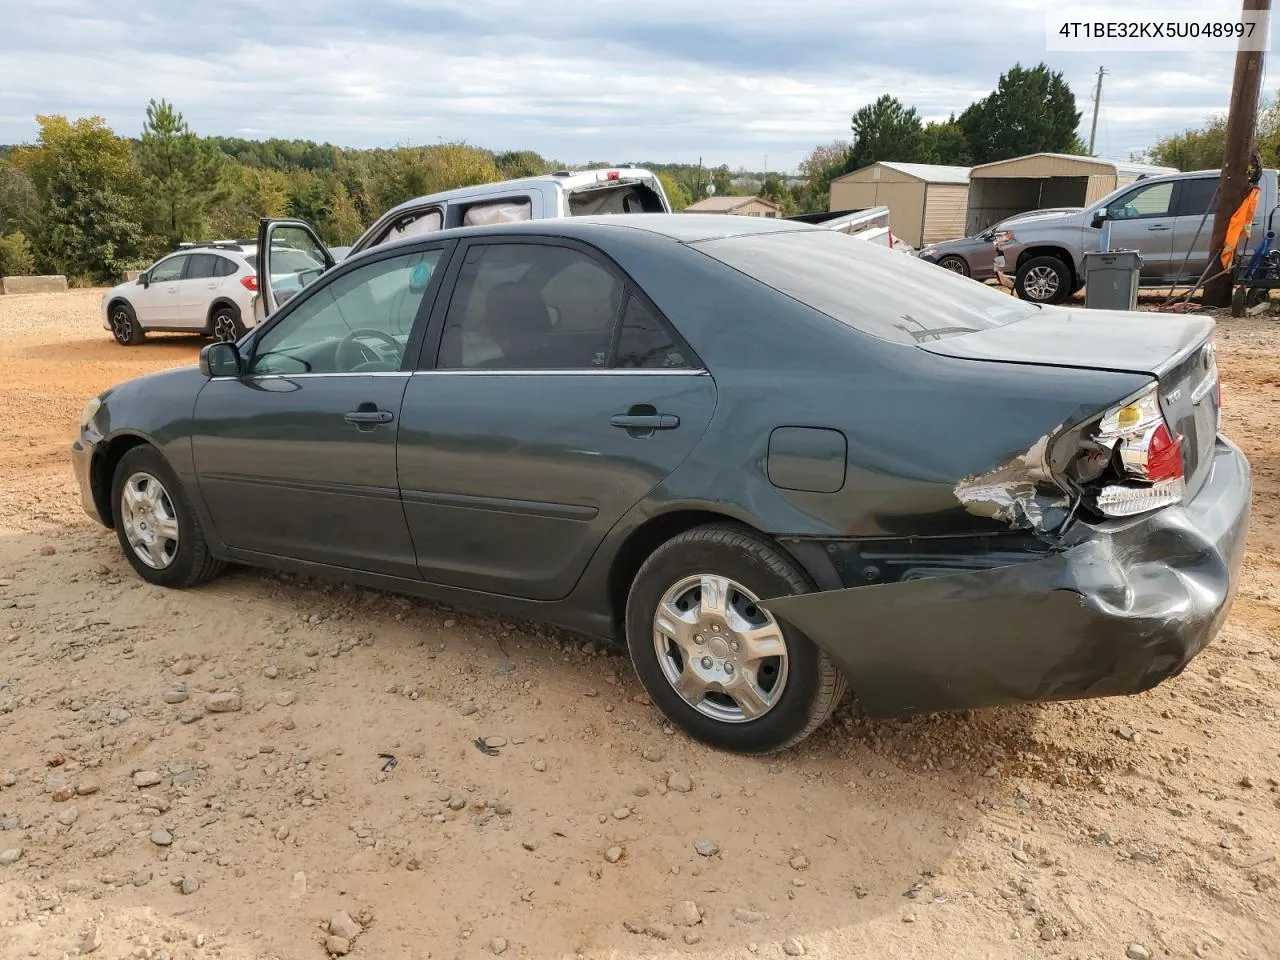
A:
[157,528]
[1044,280]
[225,325]
[1238,298]
[790,687]
[124,324]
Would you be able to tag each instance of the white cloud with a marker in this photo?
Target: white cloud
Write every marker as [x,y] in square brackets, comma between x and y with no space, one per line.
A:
[576,80]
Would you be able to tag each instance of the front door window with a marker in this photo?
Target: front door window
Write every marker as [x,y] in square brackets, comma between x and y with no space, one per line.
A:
[358,323]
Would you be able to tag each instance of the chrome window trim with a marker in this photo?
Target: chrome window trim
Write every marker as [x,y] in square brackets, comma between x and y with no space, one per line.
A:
[591,371]
[630,372]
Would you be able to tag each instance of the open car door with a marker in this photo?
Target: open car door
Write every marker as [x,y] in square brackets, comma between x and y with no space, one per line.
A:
[290,256]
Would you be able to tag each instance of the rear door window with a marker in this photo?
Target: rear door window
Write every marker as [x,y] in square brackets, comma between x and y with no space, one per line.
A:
[520,306]
[510,210]
[201,266]
[1195,197]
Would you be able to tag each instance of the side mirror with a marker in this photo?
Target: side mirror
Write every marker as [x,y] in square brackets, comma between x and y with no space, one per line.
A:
[221,360]
[1099,219]
[144,279]
[987,235]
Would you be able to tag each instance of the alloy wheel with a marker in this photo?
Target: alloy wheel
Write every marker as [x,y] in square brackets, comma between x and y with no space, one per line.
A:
[1041,283]
[122,324]
[149,520]
[224,328]
[720,651]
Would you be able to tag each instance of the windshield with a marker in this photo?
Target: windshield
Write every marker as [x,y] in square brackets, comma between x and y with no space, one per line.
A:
[868,287]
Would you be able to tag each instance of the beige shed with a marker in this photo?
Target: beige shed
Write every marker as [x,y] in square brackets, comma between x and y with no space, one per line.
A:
[926,201]
[736,206]
[1043,180]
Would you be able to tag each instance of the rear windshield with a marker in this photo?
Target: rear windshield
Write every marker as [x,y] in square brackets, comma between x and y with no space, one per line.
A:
[878,291]
[628,196]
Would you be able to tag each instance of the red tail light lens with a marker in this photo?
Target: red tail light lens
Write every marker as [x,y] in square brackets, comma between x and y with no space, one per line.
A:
[1164,455]
[250,283]
[613,175]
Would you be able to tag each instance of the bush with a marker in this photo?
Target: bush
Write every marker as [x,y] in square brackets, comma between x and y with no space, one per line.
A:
[16,258]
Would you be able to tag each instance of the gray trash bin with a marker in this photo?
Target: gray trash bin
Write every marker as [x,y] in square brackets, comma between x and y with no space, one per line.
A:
[1111,279]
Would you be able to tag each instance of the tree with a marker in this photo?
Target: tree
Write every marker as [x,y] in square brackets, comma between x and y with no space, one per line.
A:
[402,174]
[885,130]
[945,143]
[16,258]
[676,193]
[88,191]
[181,170]
[19,204]
[1030,111]
[244,196]
[824,163]
[513,164]
[775,188]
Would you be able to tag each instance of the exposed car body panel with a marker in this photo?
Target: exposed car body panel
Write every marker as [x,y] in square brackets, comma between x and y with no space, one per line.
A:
[1108,615]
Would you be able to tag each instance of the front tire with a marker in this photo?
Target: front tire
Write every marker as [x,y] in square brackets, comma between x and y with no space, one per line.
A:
[156,525]
[715,663]
[124,324]
[1044,280]
[955,265]
[225,325]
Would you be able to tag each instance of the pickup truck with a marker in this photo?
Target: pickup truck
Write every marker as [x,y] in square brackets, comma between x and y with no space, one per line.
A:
[1163,217]
[622,190]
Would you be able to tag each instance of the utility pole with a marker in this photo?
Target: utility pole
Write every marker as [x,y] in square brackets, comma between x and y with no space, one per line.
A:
[1242,121]
[1097,102]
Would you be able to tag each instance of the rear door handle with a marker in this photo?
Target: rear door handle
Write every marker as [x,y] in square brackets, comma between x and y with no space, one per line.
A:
[645,421]
[369,416]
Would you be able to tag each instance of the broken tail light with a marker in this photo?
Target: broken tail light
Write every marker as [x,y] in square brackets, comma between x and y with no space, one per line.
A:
[1149,456]
[250,283]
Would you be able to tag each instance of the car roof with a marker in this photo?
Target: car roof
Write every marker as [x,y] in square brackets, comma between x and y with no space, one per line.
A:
[680,227]
[565,179]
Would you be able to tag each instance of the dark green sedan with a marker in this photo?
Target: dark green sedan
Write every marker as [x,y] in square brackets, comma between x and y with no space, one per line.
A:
[769,458]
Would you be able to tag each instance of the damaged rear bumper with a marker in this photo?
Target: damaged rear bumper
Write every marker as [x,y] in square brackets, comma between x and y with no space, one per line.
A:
[1122,606]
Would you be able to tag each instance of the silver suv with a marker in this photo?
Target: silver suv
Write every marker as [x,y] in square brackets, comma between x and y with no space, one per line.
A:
[1162,217]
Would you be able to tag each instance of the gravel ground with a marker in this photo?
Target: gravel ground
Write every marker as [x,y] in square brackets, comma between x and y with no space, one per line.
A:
[199,774]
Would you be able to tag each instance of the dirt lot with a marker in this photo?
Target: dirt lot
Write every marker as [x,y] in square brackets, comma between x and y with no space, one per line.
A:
[1140,827]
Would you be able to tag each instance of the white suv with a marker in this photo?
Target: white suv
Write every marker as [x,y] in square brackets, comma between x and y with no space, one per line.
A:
[205,288]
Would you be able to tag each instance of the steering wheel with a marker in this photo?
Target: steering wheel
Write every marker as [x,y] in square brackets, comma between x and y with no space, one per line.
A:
[352,354]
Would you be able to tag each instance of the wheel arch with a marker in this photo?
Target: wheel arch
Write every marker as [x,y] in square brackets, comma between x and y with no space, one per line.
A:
[221,301]
[648,536]
[102,470]
[118,300]
[1050,250]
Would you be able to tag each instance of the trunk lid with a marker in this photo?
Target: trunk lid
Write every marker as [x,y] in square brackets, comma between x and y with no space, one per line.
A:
[1176,350]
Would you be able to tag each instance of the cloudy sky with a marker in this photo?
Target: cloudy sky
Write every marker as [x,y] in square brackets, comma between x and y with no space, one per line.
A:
[732,81]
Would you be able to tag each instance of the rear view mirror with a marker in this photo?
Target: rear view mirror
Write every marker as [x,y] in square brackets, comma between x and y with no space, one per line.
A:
[221,360]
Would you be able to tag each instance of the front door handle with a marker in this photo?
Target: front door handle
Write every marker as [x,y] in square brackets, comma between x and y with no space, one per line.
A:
[645,421]
[363,417]
[1158,226]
